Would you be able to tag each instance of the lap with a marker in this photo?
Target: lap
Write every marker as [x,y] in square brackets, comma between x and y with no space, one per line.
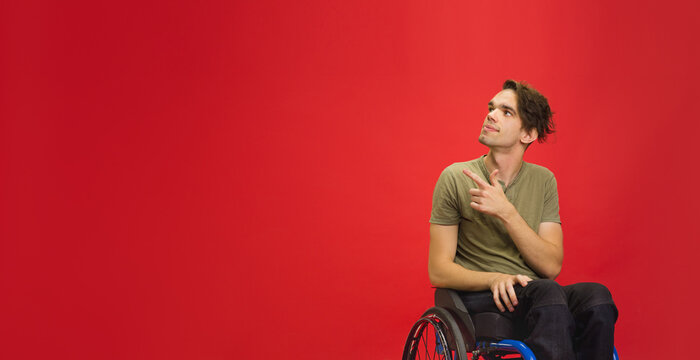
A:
[578,297]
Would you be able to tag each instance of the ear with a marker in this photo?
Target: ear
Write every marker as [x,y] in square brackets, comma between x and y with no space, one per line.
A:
[527,137]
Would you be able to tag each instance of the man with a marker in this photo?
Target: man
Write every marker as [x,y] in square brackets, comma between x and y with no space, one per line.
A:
[495,234]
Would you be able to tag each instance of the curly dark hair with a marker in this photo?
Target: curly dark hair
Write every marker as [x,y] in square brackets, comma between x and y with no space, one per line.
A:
[534,109]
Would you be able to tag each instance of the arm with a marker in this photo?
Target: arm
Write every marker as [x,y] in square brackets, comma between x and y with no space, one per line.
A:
[543,250]
[444,272]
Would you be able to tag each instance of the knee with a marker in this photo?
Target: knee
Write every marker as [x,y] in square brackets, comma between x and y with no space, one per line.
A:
[603,315]
[591,294]
[583,297]
[545,285]
[547,292]
[596,290]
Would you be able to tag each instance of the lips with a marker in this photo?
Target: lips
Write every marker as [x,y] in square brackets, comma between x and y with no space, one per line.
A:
[490,128]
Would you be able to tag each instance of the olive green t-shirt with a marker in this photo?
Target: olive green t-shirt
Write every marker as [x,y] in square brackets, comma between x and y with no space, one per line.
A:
[483,242]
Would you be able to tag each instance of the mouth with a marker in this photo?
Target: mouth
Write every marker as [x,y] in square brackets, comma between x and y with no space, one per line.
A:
[490,128]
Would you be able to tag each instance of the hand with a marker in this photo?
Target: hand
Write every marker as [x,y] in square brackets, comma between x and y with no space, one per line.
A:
[489,198]
[502,288]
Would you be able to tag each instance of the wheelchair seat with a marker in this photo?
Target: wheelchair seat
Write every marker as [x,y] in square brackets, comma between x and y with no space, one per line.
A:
[485,326]
[447,331]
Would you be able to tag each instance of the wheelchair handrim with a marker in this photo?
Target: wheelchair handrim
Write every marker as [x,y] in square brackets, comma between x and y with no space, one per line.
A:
[419,336]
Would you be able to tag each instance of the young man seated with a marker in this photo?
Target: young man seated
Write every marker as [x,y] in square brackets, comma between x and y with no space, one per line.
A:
[495,235]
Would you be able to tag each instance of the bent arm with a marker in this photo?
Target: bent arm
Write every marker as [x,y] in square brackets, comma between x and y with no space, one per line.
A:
[444,272]
[442,269]
[544,250]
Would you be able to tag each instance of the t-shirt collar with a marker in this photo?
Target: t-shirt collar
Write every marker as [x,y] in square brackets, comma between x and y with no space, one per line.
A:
[485,171]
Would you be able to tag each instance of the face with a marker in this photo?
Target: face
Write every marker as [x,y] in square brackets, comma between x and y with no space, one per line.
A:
[502,126]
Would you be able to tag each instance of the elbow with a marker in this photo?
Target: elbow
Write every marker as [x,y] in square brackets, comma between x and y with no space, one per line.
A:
[436,279]
[553,272]
[552,276]
[438,282]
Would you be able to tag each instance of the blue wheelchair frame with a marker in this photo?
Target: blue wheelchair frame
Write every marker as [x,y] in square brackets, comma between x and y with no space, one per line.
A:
[505,346]
[455,336]
[517,347]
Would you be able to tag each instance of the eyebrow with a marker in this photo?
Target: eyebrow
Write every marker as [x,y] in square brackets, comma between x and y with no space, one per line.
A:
[505,107]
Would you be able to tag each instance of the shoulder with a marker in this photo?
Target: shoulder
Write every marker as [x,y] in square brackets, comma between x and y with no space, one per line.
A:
[454,177]
[539,172]
[456,169]
[540,176]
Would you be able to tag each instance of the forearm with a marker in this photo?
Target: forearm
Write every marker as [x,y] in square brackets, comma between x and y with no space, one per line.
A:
[541,250]
[543,256]
[445,273]
[454,276]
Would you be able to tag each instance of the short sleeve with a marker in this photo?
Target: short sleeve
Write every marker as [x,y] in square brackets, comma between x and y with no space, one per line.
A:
[550,212]
[446,210]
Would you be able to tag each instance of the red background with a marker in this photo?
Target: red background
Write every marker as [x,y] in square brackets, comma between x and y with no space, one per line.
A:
[229,180]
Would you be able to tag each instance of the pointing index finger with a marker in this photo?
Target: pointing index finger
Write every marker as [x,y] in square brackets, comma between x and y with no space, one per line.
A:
[479,182]
[494,179]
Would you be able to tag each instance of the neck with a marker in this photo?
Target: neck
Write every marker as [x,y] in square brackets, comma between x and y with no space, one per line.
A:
[508,164]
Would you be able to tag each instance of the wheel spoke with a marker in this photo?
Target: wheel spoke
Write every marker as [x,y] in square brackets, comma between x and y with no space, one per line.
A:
[434,347]
[427,342]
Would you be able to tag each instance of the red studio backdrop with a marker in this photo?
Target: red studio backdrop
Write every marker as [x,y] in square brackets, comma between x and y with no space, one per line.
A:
[233,180]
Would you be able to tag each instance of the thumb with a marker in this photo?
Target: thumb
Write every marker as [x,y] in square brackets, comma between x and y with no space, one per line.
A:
[494,179]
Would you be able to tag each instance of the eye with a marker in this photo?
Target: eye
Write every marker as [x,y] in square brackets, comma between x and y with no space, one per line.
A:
[508,113]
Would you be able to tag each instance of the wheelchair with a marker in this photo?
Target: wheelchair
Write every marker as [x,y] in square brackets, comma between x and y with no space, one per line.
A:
[448,332]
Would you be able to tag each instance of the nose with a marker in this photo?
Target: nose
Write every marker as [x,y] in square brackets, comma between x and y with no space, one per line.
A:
[491,116]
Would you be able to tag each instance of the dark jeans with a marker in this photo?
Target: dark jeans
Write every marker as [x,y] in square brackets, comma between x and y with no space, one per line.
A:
[558,322]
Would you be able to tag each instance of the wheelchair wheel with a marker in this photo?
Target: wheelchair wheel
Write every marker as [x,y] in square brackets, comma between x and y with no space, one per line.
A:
[435,336]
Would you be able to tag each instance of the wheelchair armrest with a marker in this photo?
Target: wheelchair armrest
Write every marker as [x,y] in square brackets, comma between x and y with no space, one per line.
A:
[450,300]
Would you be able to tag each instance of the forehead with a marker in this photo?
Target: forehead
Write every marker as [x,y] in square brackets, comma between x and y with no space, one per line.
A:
[506,97]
